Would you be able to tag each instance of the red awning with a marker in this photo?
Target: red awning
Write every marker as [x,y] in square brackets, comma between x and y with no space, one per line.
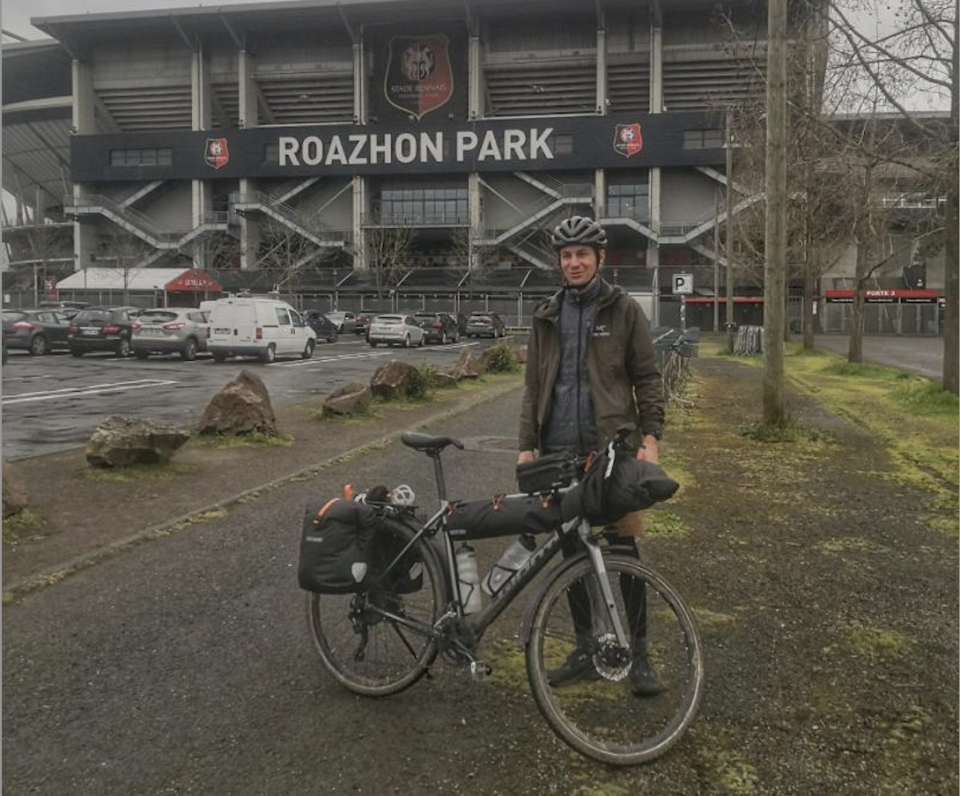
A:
[192,281]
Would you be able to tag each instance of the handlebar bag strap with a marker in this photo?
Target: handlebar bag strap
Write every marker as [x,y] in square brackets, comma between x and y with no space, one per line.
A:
[336,547]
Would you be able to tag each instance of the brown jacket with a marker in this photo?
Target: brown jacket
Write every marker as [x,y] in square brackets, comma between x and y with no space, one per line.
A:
[625,384]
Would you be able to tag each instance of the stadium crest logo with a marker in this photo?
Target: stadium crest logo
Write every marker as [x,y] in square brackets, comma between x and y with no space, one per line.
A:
[419,77]
[216,154]
[628,140]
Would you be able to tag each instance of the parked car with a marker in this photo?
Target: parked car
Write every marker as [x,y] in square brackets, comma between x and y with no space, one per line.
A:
[102,329]
[345,321]
[395,330]
[322,326]
[482,324]
[260,327]
[438,327]
[180,330]
[363,321]
[37,331]
[68,308]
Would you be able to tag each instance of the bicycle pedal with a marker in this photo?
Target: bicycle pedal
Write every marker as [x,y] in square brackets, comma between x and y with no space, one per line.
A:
[479,670]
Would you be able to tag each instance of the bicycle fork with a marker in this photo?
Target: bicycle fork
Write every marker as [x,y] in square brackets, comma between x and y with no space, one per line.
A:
[602,584]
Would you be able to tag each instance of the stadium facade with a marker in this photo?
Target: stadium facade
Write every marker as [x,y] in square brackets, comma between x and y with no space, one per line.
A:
[376,141]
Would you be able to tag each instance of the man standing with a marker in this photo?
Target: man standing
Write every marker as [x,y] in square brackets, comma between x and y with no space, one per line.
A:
[591,368]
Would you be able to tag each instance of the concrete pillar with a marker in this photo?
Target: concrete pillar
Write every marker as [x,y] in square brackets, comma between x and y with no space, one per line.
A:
[201,113]
[359,84]
[360,212]
[656,61]
[475,108]
[601,66]
[248,111]
[599,193]
[475,208]
[84,123]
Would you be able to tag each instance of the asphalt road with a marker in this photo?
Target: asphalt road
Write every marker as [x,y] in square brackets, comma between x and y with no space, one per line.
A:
[183,666]
[921,355]
[55,402]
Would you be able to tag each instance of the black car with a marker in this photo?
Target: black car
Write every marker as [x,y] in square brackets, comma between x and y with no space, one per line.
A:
[481,324]
[438,327]
[37,331]
[102,329]
[323,327]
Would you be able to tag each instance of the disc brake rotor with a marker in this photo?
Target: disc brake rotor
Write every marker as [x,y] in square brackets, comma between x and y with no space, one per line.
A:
[612,661]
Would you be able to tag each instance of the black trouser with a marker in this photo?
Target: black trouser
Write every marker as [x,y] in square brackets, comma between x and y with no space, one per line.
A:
[634,592]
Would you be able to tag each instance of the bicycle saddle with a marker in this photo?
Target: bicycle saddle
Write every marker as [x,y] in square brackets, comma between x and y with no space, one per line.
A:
[428,443]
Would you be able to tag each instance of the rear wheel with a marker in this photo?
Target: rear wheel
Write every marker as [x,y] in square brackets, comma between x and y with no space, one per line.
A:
[270,354]
[373,344]
[123,347]
[141,354]
[76,352]
[369,641]
[406,341]
[308,350]
[38,346]
[443,338]
[189,351]
[598,714]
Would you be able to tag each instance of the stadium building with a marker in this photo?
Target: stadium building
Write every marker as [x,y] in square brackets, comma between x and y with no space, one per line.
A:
[379,154]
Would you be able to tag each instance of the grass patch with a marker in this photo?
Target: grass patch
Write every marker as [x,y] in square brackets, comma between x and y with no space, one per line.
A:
[849,544]
[20,525]
[210,516]
[872,642]
[664,525]
[860,370]
[924,397]
[509,666]
[729,772]
[945,525]
[137,472]
[256,439]
[789,431]
[710,620]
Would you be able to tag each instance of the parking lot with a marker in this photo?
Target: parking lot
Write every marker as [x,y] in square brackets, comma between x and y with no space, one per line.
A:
[55,401]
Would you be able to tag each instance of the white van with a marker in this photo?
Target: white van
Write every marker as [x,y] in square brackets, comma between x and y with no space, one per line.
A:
[261,327]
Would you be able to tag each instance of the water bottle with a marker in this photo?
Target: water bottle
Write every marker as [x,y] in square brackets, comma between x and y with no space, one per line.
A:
[512,560]
[469,578]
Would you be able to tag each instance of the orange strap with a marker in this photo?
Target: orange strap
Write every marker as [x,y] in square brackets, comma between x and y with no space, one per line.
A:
[328,504]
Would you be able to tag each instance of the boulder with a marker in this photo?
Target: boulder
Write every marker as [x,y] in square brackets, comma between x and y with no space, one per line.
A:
[442,379]
[348,400]
[241,407]
[14,491]
[121,441]
[468,366]
[392,381]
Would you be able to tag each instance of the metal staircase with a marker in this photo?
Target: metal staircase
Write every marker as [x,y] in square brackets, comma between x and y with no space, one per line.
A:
[557,195]
[304,225]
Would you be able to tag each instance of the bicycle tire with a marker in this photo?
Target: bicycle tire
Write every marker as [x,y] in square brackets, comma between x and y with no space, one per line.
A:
[394,656]
[601,718]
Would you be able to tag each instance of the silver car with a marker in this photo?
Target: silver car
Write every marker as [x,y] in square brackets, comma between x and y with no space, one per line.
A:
[180,330]
[394,330]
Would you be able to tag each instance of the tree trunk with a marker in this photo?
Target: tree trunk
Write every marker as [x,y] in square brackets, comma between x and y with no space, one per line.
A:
[855,349]
[729,235]
[951,309]
[775,236]
[809,295]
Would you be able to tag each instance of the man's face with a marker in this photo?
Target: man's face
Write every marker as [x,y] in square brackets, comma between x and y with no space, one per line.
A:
[579,264]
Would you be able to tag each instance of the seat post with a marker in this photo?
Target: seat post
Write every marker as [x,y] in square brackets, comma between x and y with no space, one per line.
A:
[438,475]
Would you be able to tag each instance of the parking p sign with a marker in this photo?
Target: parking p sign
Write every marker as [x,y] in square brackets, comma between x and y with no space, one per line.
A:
[683,284]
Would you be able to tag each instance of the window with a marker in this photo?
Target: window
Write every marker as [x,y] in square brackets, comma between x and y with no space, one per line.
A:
[424,206]
[629,201]
[703,139]
[126,158]
[283,318]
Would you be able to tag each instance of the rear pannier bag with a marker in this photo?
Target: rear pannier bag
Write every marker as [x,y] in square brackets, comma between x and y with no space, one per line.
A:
[503,516]
[552,471]
[336,548]
[406,576]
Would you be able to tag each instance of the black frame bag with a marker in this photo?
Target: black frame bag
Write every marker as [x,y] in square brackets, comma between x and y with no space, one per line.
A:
[336,547]
[503,516]
[615,484]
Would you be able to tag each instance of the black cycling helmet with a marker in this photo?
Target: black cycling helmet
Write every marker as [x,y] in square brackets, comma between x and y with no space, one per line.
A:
[579,230]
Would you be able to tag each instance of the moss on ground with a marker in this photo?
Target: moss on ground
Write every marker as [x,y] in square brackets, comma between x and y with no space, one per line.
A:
[863,641]
[138,472]
[257,439]
[24,523]
[664,525]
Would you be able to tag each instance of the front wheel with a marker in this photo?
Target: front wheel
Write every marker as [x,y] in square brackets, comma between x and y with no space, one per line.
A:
[307,351]
[596,711]
[406,341]
[370,641]
[189,351]
[269,354]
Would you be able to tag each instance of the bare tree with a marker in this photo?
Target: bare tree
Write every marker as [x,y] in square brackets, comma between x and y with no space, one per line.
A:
[290,255]
[125,253]
[917,58]
[470,256]
[388,251]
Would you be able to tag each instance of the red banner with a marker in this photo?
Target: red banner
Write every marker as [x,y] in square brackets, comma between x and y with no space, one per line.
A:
[192,281]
